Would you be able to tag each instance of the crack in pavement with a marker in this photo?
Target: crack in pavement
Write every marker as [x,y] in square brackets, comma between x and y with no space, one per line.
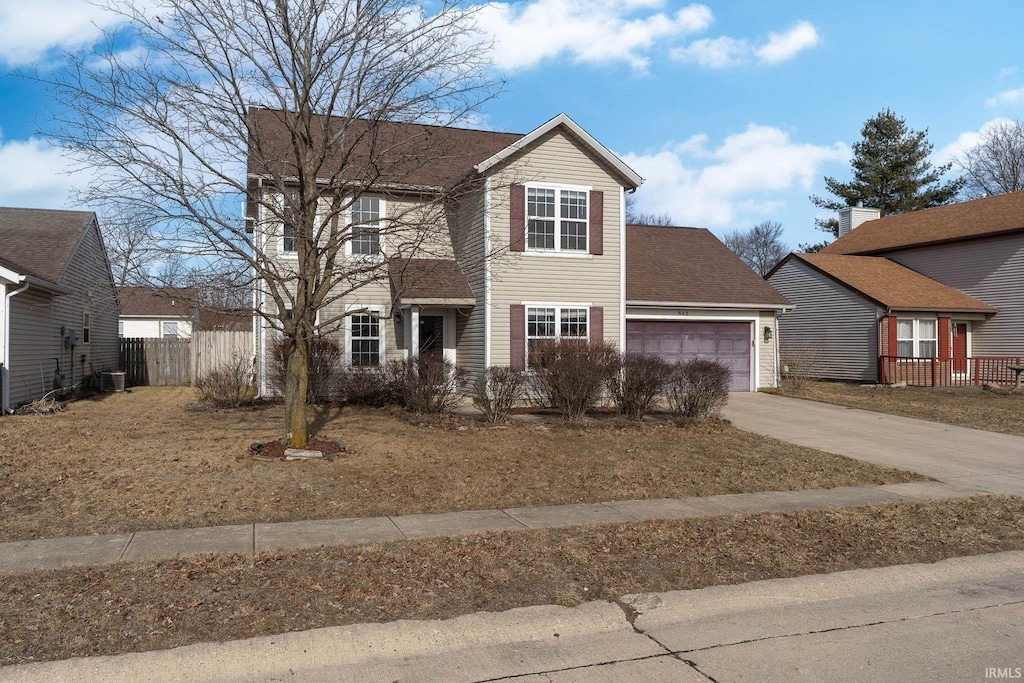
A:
[631,615]
[576,668]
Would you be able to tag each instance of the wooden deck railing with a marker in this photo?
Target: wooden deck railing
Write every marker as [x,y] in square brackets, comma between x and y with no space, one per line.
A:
[947,372]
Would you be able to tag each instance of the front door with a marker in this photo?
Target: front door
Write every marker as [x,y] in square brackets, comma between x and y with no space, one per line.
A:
[431,334]
[960,347]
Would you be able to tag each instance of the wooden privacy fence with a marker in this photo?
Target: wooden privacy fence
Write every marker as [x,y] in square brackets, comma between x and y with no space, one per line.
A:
[214,348]
[176,362]
[948,372]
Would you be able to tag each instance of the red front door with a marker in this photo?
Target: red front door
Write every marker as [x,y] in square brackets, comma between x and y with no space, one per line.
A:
[959,347]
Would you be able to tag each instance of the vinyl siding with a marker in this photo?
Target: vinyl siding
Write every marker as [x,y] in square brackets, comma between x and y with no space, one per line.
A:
[991,270]
[766,350]
[832,325]
[36,320]
[469,244]
[525,277]
[153,327]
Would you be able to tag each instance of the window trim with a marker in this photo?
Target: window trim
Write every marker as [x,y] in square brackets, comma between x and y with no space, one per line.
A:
[558,189]
[163,329]
[917,338]
[376,311]
[86,327]
[352,227]
[281,252]
[559,308]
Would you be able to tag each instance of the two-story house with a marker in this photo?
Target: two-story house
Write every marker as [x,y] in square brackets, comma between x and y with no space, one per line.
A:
[931,297]
[535,248]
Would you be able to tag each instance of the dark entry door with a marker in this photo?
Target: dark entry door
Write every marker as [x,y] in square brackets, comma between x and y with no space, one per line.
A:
[431,334]
[959,347]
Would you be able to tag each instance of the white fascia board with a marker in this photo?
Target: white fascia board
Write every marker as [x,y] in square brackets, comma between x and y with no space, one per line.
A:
[577,130]
[10,277]
[707,304]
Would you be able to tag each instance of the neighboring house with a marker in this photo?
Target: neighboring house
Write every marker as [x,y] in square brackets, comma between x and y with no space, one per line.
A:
[151,312]
[932,297]
[535,248]
[58,306]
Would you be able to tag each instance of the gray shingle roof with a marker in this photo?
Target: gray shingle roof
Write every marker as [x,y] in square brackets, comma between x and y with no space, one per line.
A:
[39,242]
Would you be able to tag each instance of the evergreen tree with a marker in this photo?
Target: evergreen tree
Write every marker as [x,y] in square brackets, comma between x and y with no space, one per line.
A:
[891,172]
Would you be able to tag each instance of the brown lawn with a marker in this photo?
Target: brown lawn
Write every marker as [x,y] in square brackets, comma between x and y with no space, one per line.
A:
[142,461]
[151,605]
[967,407]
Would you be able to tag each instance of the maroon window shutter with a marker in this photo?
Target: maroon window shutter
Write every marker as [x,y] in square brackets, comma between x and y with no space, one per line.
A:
[517,337]
[596,239]
[596,324]
[517,218]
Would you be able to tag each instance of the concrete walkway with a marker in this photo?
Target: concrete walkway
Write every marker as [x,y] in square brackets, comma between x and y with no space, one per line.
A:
[987,461]
[24,556]
[949,621]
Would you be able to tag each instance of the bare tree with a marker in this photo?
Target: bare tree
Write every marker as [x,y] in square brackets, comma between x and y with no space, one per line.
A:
[634,217]
[996,164]
[760,247]
[131,247]
[168,128]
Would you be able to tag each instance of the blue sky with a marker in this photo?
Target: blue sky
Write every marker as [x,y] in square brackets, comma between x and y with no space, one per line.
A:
[733,112]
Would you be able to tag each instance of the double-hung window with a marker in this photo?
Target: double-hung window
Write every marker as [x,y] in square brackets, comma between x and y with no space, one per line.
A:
[366,215]
[917,338]
[288,243]
[556,219]
[554,322]
[364,340]
[169,328]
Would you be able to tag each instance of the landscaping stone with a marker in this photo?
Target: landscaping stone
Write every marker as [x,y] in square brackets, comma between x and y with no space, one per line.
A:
[302,454]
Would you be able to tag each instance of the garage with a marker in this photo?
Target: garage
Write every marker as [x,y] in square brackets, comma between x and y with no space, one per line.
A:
[679,341]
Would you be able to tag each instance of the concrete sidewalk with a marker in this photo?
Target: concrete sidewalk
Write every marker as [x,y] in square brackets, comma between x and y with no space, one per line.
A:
[952,620]
[24,556]
[987,461]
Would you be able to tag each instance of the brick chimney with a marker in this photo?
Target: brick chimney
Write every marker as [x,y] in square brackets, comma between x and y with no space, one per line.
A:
[852,216]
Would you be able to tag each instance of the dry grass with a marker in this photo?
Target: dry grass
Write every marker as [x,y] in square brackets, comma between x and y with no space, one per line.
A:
[967,407]
[152,605]
[141,461]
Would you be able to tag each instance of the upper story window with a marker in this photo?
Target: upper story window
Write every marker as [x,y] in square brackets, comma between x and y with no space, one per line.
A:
[556,219]
[917,337]
[366,215]
[288,243]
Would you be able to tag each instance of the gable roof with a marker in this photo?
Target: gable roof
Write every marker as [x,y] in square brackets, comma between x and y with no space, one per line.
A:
[157,301]
[892,285]
[397,147]
[631,176]
[39,242]
[966,220]
[691,266]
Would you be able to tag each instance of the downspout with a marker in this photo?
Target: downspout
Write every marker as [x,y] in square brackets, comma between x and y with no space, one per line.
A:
[6,358]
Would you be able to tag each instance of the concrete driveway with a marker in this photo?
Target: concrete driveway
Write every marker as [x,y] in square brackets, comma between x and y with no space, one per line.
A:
[988,461]
[949,621]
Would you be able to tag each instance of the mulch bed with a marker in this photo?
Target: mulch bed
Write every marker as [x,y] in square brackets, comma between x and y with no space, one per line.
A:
[130,607]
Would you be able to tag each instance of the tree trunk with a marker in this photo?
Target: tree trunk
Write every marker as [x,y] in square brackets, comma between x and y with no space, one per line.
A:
[296,384]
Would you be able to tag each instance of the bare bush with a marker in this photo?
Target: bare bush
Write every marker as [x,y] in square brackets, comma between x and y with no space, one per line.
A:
[800,364]
[638,383]
[431,384]
[324,363]
[570,374]
[699,388]
[228,385]
[373,386]
[496,391]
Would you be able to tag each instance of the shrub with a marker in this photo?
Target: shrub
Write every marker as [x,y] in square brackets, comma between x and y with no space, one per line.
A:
[373,386]
[699,388]
[570,374]
[496,391]
[324,362]
[227,385]
[638,383]
[431,384]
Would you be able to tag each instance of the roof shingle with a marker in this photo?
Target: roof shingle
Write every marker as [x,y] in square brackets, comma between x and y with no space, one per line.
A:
[892,285]
[39,242]
[430,280]
[166,301]
[690,265]
[978,218]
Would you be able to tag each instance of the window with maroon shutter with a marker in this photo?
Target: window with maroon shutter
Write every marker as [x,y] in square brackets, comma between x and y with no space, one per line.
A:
[596,222]
[596,324]
[517,218]
[557,219]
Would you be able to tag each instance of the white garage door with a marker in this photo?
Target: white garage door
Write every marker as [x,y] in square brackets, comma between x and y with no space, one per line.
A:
[678,341]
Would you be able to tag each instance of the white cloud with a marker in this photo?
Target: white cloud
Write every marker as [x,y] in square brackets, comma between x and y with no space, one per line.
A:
[31,28]
[591,31]
[1007,71]
[1006,97]
[741,178]
[33,174]
[784,46]
[723,52]
[966,140]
